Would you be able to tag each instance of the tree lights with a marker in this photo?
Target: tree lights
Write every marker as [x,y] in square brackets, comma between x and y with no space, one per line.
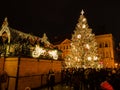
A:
[83,52]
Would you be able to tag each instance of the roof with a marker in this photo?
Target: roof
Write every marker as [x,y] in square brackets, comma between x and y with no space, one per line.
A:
[15,35]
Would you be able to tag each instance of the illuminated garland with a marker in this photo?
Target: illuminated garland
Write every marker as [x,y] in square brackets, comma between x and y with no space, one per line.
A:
[40,51]
[23,44]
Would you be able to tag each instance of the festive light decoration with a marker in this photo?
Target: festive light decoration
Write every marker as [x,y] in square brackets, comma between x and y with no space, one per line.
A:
[79,36]
[38,51]
[17,43]
[83,52]
[83,26]
[89,58]
[7,31]
[44,39]
[42,51]
[53,54]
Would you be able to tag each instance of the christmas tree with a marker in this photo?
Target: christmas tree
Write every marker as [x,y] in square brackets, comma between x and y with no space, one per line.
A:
[83,52]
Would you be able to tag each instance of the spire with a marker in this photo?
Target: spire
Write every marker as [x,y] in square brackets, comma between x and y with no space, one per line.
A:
[5,22]
[82,12]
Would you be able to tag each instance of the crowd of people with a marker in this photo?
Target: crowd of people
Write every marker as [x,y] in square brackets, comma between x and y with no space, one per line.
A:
[91,79]
[80,79]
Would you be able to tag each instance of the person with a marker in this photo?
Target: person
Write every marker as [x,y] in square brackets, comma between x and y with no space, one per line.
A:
[76,81]
[106,86]
[51,80]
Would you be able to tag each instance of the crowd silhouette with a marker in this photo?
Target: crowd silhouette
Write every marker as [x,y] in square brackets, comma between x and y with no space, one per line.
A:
[91,79]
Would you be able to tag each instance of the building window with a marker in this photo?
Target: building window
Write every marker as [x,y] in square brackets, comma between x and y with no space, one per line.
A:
[63,47]
[66,47]
[100,45]
[106,45]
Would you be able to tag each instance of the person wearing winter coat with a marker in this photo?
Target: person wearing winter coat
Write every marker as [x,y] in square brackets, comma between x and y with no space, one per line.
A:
[51,80]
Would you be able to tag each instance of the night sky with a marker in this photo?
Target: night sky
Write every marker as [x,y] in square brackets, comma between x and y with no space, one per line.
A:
[57,18]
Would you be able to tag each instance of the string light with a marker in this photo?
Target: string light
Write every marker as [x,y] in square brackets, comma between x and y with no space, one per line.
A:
[83,51]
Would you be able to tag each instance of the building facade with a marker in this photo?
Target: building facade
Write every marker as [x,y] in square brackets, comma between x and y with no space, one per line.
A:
[105,49]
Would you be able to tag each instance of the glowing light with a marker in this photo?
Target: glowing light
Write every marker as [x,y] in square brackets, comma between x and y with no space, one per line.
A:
[95,58]
[82,12]
[83,26]
[41,51]
[75,58]
[87,46]
[84,20]
[116,64]
[79,36]
[53,54]
[78,59]
[78,25]
[83,51]
[68,58]
[89,58]
[38,51]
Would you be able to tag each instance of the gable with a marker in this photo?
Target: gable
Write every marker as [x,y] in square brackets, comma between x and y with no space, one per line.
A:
[66,41]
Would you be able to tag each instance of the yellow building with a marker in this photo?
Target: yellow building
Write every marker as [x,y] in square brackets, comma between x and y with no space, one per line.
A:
[64,46]
[105,49]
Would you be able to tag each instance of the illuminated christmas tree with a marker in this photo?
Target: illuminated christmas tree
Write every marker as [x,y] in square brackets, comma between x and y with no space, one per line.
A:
[83,52]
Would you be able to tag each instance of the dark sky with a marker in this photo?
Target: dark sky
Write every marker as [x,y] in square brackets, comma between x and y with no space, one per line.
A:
[57,18]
